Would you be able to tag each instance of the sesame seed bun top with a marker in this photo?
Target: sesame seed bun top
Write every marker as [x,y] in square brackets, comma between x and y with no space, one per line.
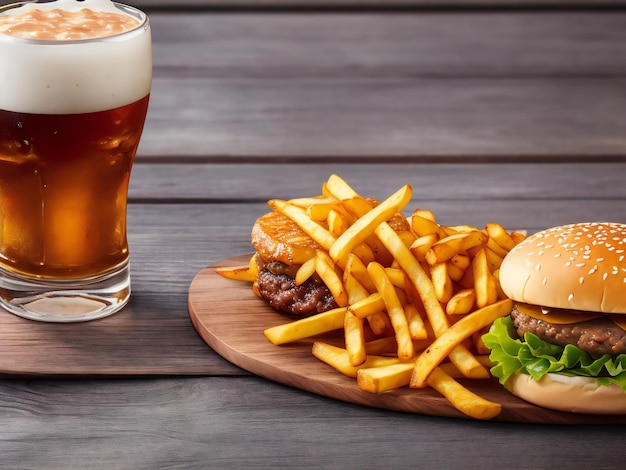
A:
[578,266]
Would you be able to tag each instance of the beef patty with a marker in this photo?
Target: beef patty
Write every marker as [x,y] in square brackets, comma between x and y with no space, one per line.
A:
[596,337]
[276,284]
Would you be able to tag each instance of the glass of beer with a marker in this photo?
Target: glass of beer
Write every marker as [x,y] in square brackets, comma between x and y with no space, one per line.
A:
[75,79]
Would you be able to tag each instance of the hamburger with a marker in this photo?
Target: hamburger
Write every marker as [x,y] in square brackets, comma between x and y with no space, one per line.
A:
[563,346]
[281,248]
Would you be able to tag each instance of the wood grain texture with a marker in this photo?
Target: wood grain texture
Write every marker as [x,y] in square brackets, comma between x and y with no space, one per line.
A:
[231,319]
[385,118]
[250,422]
[359,4]
[148,337]
[223,182]
[380,86]
[436,44]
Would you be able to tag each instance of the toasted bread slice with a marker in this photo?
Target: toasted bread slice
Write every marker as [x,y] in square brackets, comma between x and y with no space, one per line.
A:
[277,238]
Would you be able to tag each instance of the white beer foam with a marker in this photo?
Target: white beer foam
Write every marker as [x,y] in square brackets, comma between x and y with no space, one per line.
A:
[71,77]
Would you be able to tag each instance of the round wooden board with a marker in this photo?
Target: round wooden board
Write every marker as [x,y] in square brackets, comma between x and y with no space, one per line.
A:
[231,319]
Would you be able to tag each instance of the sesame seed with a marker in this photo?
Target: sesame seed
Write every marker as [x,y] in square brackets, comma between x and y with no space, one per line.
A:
[581,279]
[571,296]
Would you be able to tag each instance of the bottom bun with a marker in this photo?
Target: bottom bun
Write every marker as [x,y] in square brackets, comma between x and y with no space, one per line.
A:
[573,394]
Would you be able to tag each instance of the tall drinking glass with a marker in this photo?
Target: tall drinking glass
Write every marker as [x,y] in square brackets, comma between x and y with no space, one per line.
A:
[75,79]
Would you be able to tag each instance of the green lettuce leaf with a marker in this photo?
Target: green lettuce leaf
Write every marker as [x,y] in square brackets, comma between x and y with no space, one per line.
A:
[533,356]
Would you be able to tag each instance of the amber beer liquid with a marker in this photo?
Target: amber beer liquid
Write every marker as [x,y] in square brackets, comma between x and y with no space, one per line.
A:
[72,109]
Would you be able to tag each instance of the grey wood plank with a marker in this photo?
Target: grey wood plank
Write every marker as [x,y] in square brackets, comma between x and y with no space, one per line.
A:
[403,118]
[248,422]
[382,4]
[250,182]
[402,45]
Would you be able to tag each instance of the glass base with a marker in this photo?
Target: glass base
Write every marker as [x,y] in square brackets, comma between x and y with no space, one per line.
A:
[65,301]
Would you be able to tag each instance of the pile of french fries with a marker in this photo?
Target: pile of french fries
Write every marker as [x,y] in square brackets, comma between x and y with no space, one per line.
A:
[414,297]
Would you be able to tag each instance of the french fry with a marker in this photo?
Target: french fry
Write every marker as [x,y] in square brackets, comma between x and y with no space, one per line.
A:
[461,357]
[354,338]
[441,282]
[379,251]
[493,260]
[462,302]
[496,278]
[417,329]
[453,372]
[424,223]
[325,268]
[461,261]
[380,346]
[356,291]
[484,284]
[305,202]
[394,308]
[314,230]
[236,273]
[467,280]
[339,189]
[461,398]
[467,363]
[372,304]
[383,378]
[306,327]
[497,249]
[337,225]
[396,276]
[338,359]
[461,330]
[477,338]
[363,252]
[421,245]
[356,268]
[454,272]
[358,232]
[357,206]
[379,323]
[319,211]
[452,245]
[518,237]
[305,271]
[500,236]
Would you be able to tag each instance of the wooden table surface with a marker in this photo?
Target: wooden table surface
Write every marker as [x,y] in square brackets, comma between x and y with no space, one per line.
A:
[502,111]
